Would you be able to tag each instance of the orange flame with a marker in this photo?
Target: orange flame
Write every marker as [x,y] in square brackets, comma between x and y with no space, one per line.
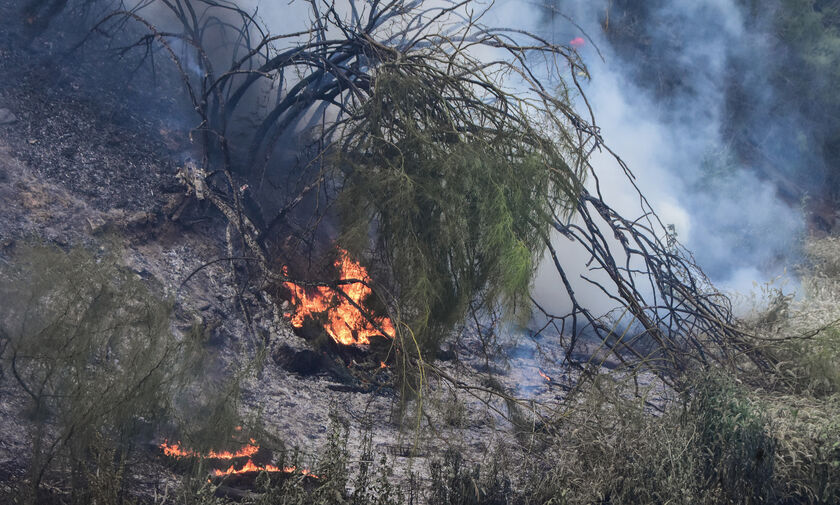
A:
[543,375]
[251,467]
[175,451]
[246,452]
[346,325]
[248,467]
[382,364]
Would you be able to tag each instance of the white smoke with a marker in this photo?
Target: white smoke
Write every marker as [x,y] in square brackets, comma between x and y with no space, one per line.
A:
[736,225]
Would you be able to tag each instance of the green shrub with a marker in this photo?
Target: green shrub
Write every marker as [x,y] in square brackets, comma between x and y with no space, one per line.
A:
[455,481]
[715,447]
[732,442]
[808,451]
[809,367]
[801,336]
[89,345]
[459,196]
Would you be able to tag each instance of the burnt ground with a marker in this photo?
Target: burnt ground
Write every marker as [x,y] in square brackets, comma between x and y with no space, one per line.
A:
[92,163]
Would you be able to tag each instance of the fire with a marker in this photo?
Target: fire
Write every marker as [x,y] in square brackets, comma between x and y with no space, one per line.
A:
[175,451]
[251,467]
[577,42]
[346,325]
[303,471]
[382,364]
[248,467]
[543,375]
[246,452]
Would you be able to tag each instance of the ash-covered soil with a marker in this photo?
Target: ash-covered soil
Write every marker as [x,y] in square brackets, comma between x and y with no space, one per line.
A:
[85,122]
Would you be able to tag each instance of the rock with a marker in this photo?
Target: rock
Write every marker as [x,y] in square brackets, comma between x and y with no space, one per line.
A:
[7,117]
[96,224]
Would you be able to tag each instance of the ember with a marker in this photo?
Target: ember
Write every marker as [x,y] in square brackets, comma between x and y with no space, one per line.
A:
[346,325]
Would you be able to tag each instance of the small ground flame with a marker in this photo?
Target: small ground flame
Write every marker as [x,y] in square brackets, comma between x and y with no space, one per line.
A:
[346,325]
[251,467]
[577,42]
[176,451]
[544,375]
[248,467]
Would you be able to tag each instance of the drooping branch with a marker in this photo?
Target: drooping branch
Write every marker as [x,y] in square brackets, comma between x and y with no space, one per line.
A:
[455,171]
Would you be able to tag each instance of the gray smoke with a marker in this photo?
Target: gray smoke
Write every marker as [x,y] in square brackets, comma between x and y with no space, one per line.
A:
[667,118]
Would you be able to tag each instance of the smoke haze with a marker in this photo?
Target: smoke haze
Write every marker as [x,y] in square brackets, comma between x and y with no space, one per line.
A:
[677,143]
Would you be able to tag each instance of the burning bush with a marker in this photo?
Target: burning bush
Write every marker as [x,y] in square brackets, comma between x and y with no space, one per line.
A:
[428,160]
[454,173]
[343,306]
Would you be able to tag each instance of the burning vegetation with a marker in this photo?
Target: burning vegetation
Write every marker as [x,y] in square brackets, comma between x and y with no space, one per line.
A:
[461,192]
[175,451]
[345,322]
[237,468]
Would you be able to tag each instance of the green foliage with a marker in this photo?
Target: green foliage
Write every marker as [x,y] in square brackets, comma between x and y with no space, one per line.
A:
[810,367]
[369,488]
[90,347]
[804,68]
[458,193]
[455,482]
[811,31]
[808,453]
[732,440]
[801,336]
[722,445]
[715,448]
[615,453]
